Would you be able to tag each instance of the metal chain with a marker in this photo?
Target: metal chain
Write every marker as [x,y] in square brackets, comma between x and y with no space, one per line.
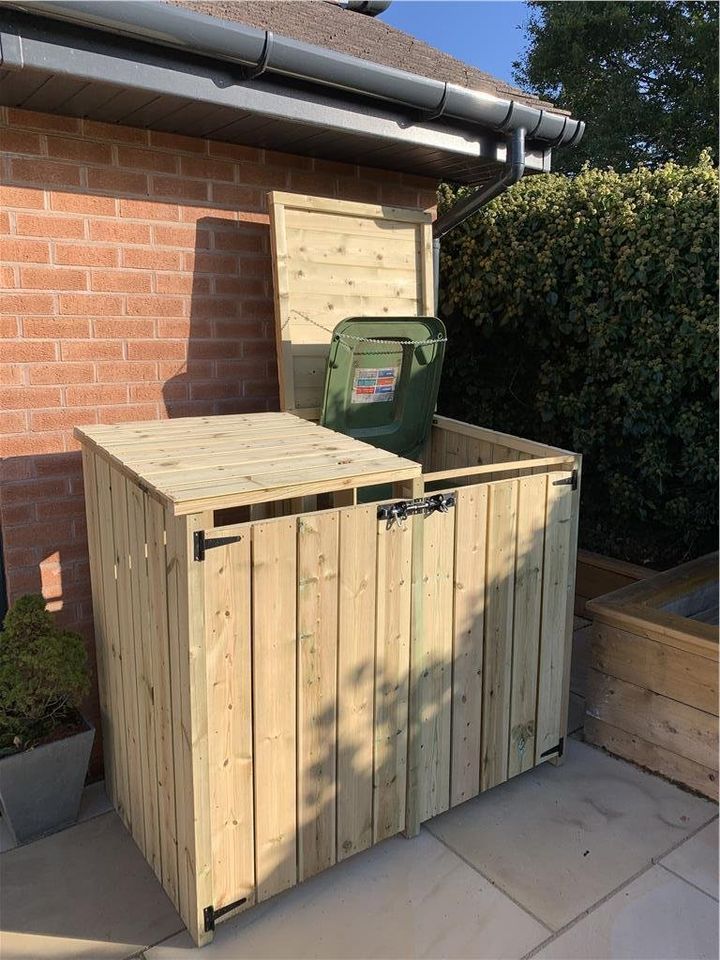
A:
[399,344]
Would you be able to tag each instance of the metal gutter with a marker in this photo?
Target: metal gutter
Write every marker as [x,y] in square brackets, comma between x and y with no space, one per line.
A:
[260,50]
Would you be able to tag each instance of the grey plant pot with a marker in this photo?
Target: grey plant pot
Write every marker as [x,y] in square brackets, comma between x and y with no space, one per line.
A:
[40,789]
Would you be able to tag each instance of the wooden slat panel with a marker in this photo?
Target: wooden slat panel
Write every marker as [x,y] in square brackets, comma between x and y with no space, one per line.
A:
[144,676]
[556,570]
[317,690]
[103,655]
[469,621]
[532,493]
[499,601]
[162,695]
[274,697]
[356,663]
[392,664]
[435,671]
[229,686]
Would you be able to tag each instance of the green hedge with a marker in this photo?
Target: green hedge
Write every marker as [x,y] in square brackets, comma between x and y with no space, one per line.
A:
[583,312]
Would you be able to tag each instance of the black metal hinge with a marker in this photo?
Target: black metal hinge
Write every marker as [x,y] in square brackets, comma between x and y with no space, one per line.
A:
[211,915]
[570,481]
[554,751]
[402,509]
[201,543]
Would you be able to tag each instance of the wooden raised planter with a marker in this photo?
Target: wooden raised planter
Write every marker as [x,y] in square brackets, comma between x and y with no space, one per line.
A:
[653,680]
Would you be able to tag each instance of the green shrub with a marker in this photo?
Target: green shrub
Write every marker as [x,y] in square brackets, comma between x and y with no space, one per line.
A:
[43,674]
[583,312]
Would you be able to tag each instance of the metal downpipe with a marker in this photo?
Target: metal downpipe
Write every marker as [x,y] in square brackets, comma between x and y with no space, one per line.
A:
[466,207]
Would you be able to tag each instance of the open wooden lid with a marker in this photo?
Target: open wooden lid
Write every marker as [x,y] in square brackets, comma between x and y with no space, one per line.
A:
[334,259]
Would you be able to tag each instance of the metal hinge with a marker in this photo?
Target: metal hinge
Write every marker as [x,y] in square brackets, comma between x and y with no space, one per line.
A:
[400,511]
[201,544]
[210,914]
[554,751]
[570,481]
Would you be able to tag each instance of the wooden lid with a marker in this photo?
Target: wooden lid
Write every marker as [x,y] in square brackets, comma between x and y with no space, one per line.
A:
[203,463]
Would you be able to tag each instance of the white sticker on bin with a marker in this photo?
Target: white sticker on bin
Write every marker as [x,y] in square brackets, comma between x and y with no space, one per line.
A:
[374,385]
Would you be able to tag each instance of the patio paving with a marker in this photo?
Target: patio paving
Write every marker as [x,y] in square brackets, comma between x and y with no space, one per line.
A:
[593,859]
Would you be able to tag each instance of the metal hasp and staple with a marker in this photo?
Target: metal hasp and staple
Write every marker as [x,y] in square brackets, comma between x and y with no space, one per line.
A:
[402,509]
[201,544]
[211,915]
[571,481]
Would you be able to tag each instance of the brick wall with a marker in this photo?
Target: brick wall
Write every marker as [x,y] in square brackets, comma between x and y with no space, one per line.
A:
[137,284]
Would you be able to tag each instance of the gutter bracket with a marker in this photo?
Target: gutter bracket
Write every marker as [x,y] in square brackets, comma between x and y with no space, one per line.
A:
[425,116]
[256,70]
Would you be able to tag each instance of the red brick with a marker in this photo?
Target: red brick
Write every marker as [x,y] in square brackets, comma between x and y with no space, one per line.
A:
[145,411]
[196,212]
[92,350]
[207,168]
[45,420]
[155,306]
[86,255]
[24,303]
[349,190]
[210,262]
[29,198]
[120,231]
[95,394]
[61,373]
[157,350]
[238,237]
[89,303]
[117,181]
[125,327]
[242,197]
[64,465]
[239,329]
[112,131]
[259,348]
[154,160]
[42,121]
[125,371]
[29,351]
[45,172]
[159,392]
[52,278]
[70,508]
[83,203]
[25,251]
[177,187]
[55,327]
[184,236]
[15,422]
[181,328]
[149,210]
[17,398]
[175,142]
[8,277]
[216,349]
[37,489]
[152,259]
[123,281]
[175,283]
[214,389]
[215,307]
[84,150]
[20,141]
[21,513]
[11,374]
[234,151]
[192,370]
[244,286]
[50,226]
[53,532]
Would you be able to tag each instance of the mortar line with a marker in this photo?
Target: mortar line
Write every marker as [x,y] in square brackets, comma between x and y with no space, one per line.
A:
[654,862]
[685,880]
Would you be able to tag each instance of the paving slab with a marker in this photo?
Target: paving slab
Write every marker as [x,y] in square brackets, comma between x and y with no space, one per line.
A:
[558,839]
[94,801]
[403,899]
[696,860]
[86,892]
[656,917]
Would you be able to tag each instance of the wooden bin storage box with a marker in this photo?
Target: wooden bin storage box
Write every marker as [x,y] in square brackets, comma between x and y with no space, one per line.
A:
[284,678]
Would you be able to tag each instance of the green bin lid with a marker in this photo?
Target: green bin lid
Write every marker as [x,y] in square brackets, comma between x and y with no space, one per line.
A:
[382,380]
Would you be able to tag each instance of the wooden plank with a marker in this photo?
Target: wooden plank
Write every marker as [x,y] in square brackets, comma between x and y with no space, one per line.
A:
[317,614]
[657,666]
[392,664]
[570,574]
[435,675]
[498,470]
[415,488]
[557,561]
[107,711]
[426,306]
[496,437]
[674,726]
[356,662]
[275,704]
[162,695]
[352,208]
[144,676]
[532,493]
[499,604]
[468,632]
[652,757]
[190,720]
[229,696]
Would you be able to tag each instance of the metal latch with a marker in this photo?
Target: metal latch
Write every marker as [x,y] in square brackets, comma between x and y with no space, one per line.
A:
[210,914]
[400,511]
[570,481]
[201,543]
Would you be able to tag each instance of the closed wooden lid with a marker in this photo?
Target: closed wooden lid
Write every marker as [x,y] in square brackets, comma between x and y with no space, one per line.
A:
[203,463]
